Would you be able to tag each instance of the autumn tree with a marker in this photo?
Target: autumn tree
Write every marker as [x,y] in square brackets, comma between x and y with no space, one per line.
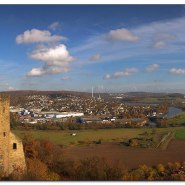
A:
[49,153]
[30,146]
[160,168]
[36,170]
[96,168]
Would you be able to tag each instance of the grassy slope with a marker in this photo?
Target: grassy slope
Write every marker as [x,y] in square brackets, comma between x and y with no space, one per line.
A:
[179,119]
[159,100]
[180,134]
[149,100]
[64,137]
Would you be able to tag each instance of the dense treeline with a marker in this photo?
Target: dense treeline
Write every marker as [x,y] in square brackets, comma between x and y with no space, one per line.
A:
[161,123]
[73,125]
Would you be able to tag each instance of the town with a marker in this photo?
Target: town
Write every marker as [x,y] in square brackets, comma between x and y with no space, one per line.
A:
[59,108]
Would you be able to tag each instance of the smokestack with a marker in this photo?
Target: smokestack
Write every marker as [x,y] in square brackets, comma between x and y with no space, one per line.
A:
[92,92]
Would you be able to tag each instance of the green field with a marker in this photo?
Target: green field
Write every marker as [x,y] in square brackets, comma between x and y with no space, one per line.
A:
[159,100]
[180,134]
[106,135]
[149,100]
[178,120]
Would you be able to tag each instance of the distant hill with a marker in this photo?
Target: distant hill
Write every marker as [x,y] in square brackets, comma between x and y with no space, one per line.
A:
[150,94]
[137,94]
[145,94]
[19,95]
[34,92]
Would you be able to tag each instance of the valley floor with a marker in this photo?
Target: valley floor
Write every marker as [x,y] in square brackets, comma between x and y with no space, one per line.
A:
[130,157]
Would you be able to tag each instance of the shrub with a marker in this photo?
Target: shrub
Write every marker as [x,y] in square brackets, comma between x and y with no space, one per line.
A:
[133,142]
[95,168]
[98,141]
[160,168]
[30,146]
[36,170]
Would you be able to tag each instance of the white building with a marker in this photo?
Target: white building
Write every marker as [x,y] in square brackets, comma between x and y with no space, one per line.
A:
[69,114]
[62,114]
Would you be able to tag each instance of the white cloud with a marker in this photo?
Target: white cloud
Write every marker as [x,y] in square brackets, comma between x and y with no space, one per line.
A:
[107,76]
[36,72]
[95,57]
[152,67]
[53,55]
[126,72]
[159,34]
[65,78]
[10,88]
[35,36]
[176,71]
[162,39]
[56,60]
[118,74]
[54,26]
[122,35]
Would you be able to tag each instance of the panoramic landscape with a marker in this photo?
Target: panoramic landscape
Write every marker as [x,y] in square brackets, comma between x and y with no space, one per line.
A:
[92,93]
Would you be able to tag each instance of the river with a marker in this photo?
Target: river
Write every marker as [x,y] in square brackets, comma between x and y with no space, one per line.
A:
[173,111]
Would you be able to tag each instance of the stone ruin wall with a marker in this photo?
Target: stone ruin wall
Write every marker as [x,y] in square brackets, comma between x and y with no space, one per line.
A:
[11,149]
[4,133]
[16,157]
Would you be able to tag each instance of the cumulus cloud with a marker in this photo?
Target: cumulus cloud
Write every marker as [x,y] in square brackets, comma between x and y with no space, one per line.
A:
[36,36]
[152,68]
[122,35]
[36,72]
[118,74]
[53,55]
[162,39]
[55,60]
[95,57]
[176,71]
[54,26]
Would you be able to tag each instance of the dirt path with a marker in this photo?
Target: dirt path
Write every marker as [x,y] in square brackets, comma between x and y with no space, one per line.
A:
[129,156]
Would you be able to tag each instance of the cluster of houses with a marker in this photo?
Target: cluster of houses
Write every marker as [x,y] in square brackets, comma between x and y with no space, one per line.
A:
[90,106]
[43,108]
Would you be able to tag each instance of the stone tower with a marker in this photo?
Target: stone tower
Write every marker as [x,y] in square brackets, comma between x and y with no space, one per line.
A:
[11,149]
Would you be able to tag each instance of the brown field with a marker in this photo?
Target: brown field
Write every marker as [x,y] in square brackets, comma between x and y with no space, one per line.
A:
[130,157]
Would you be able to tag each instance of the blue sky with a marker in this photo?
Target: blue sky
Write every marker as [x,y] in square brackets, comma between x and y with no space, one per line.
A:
[114,48]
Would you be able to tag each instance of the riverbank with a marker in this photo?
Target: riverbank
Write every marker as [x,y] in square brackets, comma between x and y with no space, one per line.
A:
[178,120]
[174,117]
[173,111]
